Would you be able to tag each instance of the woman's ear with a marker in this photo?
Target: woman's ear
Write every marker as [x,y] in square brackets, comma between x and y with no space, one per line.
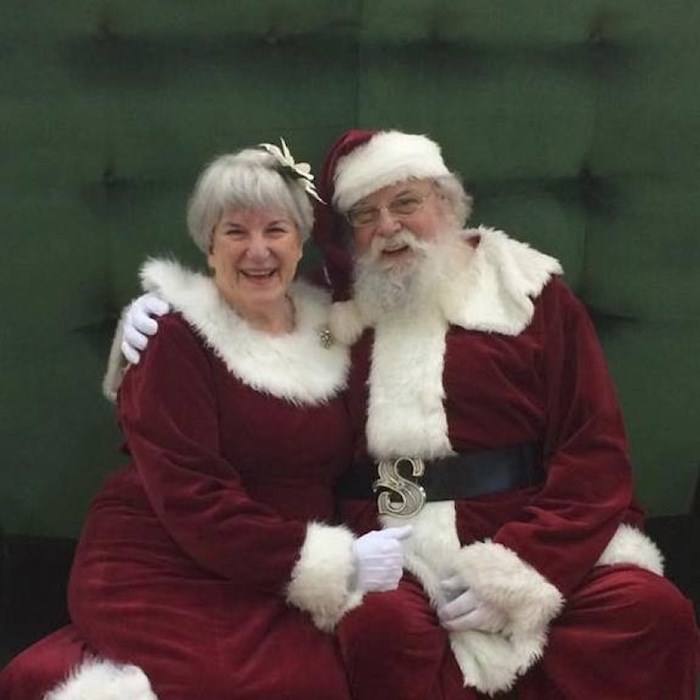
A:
[210,252]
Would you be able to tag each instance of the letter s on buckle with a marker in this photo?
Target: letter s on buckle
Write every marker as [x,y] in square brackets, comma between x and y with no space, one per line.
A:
[399,496]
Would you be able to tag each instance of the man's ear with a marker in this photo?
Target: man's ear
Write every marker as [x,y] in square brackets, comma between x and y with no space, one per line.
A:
[447,210]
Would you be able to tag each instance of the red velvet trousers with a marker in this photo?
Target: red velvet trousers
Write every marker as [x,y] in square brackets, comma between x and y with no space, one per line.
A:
[42,666]
[625,634]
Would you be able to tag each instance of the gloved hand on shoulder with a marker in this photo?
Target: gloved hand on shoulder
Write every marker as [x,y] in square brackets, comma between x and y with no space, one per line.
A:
[138,324]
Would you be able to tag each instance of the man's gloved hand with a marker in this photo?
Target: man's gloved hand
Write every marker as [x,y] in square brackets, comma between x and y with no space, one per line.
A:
[138,324]
[379,559]
[465,611]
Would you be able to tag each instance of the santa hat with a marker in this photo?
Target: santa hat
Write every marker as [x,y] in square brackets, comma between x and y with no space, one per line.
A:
[386,158]
[359,163]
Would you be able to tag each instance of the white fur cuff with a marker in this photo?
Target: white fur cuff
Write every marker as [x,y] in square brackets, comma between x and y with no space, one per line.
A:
[492,662]
[116,364]
[98,679]
[321,576]
[630,546]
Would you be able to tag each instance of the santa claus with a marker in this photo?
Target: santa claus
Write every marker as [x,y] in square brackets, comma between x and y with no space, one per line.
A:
[490,424]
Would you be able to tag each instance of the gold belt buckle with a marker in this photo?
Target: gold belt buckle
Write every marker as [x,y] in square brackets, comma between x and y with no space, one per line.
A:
[399,496]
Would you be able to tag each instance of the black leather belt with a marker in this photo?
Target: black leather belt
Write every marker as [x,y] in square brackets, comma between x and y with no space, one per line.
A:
[405,484]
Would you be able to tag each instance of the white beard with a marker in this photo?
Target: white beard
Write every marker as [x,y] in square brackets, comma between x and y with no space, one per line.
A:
[407,287]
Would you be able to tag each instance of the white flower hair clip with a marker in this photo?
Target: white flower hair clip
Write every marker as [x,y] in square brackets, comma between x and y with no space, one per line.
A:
[298,171]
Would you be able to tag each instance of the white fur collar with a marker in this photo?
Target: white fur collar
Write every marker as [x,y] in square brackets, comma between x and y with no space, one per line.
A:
[492,291]
[495,291]
[295,367]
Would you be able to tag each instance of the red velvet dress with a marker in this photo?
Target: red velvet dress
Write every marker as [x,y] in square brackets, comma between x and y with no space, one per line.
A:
[495,374]
[189,564]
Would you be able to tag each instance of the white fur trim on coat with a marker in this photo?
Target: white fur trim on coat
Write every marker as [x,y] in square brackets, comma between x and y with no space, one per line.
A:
[496,575]
[494,290]
[98,679]
[489,662]
[296,366]
[630,546]
[116,364]
[490,288]
[387,158]
[321,577]
[405,413]
[345,322]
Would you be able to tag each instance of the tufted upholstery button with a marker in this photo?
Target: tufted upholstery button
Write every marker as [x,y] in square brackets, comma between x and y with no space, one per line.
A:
[106,25]
[104,31]
[596,37]
[108,179]
[593,192]
[599,32]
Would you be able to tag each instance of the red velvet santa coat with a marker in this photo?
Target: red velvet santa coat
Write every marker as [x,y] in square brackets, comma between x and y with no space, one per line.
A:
[197,562]
[505,355]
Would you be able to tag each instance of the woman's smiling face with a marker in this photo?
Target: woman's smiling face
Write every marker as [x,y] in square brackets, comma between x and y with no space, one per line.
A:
[254,256]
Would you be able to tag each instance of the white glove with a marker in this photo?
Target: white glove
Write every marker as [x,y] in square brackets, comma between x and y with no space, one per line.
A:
[465,611]
[137,324]
[379,559]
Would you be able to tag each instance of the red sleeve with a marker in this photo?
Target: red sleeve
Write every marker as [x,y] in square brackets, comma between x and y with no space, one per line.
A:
[169,414]
[588,487]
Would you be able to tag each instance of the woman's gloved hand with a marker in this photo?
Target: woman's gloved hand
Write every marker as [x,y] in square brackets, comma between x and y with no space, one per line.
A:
[379,559]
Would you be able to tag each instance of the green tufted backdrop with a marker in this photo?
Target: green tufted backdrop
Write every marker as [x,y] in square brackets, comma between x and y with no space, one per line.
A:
[575,123]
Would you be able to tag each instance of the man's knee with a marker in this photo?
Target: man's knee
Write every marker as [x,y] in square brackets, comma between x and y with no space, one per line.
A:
[650,605]
[402,620]
[393,647]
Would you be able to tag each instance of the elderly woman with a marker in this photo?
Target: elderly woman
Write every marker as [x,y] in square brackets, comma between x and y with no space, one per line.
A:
[208,567]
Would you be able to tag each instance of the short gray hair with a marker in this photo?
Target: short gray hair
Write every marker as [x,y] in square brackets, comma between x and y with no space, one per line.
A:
[249,179]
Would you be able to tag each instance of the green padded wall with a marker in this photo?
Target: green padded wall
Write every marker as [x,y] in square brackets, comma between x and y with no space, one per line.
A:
[575,124]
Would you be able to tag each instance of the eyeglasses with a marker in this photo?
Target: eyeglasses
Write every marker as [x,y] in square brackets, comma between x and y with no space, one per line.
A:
[404,205]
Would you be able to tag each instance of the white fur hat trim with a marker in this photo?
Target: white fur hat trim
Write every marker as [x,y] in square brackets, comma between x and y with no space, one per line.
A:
[387,158]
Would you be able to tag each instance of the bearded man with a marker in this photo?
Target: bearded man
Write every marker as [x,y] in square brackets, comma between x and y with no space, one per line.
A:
[485,418]
[485,400]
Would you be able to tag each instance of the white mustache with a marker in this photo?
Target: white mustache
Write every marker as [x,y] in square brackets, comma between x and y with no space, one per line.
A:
[401,239]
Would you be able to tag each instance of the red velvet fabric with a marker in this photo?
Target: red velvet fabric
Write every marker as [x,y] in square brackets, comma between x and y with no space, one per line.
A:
[194,599]
[618,638]
[548,385]
[329,226]
[625,634]
[39,668]
[185,555]
[394,647]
